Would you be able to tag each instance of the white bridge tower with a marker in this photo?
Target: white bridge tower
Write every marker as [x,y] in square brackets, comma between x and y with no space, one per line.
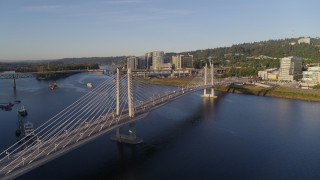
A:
[205,95]
[130,137]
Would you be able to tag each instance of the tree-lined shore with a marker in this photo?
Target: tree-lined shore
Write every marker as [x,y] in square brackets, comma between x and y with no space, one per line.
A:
[278,92]
[250,89]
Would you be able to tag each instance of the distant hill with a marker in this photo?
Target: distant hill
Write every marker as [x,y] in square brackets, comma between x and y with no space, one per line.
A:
[263,54]
[269,50]
[66,63]
[97,60]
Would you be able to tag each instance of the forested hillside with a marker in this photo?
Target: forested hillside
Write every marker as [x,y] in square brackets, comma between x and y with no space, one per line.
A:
[244,59]
[259,54]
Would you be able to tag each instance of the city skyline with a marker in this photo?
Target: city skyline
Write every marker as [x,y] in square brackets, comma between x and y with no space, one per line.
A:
[47,29]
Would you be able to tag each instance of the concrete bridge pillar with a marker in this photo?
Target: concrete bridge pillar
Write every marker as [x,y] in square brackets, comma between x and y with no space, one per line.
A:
[211,95]
[130,94]
[118,130]
[14,83]
[131,136]
[118,92]
[205,95]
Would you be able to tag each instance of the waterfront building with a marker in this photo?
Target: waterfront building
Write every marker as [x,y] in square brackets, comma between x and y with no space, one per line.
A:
[312,75]
[154,60]
[166,66]
[290,69]
[142,63]
[304,40]
[157,60]
[132,62]
[273,76]
[182,61]
[268,74]
[263,75]
[148,59]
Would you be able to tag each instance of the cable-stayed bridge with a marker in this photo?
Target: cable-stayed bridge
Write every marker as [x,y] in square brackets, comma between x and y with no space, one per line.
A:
[113,104]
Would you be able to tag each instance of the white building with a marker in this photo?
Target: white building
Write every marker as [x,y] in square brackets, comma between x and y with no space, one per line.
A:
[155,60]
[304,40]
[166,66]
[290,69]
[312,75]
[265,74]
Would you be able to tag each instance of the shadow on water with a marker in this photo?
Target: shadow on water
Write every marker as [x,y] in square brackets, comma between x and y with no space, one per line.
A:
[127,161]
[14,92]
[121,166]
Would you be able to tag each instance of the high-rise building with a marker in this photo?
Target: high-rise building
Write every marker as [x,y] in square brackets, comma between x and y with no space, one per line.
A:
[148,60]
[290,69]
[157,59]
[182,61]
[132,62]
[142,63]
[154,60]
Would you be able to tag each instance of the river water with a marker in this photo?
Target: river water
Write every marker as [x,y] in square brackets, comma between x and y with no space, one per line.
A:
[231,137]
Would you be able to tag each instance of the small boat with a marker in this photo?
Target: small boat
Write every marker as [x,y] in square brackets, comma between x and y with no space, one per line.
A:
[89,85]
[53,85]
[28,129]
[17,101]
[6,106]
[22,111]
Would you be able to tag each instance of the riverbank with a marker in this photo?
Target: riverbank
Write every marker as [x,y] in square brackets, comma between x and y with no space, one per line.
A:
[279,92]
[168,81]
[54,76]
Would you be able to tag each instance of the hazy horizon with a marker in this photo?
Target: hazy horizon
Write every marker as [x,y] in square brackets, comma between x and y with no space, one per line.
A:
[49,30]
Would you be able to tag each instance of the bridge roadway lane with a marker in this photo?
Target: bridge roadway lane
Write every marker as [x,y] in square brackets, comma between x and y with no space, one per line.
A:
[43,150]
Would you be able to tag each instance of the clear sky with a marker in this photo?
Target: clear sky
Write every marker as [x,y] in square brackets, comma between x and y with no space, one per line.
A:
[52,29]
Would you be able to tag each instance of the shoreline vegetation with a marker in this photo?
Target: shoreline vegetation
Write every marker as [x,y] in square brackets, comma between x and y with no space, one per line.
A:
[168,81]
[278,92]
[54,76]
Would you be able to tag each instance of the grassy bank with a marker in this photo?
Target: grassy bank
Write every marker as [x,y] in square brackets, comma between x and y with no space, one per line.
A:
[168,81]
[280,92]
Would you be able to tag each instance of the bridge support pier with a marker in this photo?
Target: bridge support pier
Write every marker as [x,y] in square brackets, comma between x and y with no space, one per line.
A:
[14,83]
[130,137]
[205,95]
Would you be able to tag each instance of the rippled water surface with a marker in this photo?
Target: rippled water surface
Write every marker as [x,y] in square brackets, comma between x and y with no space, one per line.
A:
[231,137]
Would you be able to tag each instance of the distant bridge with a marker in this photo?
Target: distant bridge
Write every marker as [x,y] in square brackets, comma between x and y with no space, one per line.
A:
[20,75]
